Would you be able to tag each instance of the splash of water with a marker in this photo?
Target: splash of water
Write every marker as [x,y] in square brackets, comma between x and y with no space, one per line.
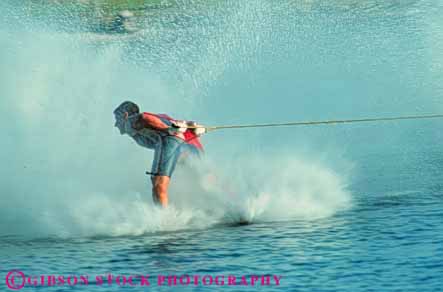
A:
[67,172]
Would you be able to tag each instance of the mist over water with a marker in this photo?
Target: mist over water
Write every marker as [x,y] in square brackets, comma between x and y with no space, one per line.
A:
[66,171]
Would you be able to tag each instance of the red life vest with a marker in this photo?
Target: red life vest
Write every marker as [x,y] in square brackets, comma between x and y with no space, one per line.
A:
[190,136]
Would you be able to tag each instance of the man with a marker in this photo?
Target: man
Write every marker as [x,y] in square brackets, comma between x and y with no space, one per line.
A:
[172,140]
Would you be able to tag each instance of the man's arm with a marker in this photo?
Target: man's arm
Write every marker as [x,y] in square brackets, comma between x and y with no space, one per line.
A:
[151,121]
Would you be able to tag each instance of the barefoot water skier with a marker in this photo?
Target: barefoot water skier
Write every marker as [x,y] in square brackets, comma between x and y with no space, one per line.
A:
[173,141]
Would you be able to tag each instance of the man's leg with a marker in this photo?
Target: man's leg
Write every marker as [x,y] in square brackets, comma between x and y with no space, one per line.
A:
[160,186]
[165,160]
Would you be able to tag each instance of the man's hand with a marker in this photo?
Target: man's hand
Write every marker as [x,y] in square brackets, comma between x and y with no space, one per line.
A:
[178,127]
[197,129]
[200,130]
[181,126]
